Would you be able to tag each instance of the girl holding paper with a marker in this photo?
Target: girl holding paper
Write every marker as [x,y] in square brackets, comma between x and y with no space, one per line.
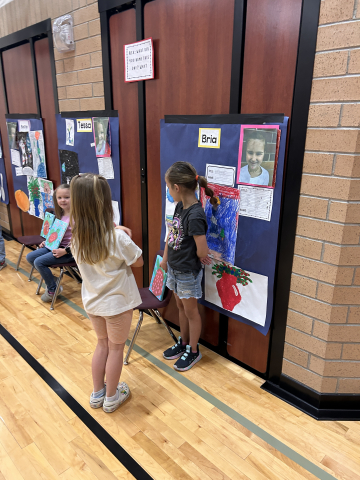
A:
[43,258]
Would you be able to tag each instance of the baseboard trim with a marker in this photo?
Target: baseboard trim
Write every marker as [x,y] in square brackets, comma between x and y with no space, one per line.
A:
[321,406]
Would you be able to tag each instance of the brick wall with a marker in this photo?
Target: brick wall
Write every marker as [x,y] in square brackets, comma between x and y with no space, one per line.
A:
[79,74]
[322,347]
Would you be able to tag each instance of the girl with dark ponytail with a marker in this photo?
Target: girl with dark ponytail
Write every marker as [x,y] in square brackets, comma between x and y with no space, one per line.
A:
[186,250]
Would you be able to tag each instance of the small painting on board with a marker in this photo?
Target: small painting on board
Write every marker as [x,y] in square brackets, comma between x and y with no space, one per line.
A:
[38,151]
[222,220]
[237,291]
[56,234]
[12,130]
[158,280]
[26,155]
[258,151]
[69,162]
[102,136]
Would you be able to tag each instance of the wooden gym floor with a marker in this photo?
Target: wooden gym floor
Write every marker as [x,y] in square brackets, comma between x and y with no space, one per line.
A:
[213,422]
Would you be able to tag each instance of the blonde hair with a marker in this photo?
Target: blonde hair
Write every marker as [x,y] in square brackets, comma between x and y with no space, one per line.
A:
[184,174]
[91,218]
[59,212]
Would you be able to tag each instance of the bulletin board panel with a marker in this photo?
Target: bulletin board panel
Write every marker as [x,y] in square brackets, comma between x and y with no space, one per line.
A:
[83,146]
[4,195]
[256,245]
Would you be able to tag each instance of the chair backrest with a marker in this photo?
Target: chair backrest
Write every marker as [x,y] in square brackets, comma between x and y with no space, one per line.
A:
[50,210]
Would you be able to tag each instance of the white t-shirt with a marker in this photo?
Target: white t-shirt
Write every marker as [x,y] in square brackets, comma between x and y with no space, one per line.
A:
[262,179]
[109,287]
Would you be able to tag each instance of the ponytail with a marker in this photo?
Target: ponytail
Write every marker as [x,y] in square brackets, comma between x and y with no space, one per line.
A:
[183,173]
[204,184]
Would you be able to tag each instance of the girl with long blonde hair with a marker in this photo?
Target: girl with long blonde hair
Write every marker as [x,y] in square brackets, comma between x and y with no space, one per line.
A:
[104,254]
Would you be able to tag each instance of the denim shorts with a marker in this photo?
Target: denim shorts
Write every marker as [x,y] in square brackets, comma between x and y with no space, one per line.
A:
[184,284]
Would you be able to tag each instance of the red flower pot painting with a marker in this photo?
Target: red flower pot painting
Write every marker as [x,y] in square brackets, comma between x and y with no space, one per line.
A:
[46,227]
[226,286]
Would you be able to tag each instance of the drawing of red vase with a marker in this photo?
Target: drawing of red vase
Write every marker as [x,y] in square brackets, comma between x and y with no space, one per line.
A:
[46,227]
[54,236]
[229,276]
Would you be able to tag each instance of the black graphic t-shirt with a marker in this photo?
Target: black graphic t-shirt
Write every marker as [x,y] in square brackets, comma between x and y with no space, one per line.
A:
[186,223]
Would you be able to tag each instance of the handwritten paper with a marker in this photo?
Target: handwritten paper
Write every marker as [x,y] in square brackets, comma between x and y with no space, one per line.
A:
[24,125]
[139,61]
[106,168]
[15,158]
[220,174]
[18,171]
[256,202]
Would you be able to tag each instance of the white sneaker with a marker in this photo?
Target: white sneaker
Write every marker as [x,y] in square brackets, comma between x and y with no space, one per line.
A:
[47,297]
[123,391]
[97,402]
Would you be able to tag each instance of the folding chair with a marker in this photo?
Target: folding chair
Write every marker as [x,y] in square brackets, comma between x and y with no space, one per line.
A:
[151,304]
[64,267]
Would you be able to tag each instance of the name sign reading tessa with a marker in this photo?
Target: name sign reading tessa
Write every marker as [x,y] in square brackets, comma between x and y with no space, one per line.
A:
[84,125]
[209,137]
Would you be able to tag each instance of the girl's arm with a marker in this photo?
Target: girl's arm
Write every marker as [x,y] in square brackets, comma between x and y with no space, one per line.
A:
[202,249]
[139,262]
[124,229]
[163,263]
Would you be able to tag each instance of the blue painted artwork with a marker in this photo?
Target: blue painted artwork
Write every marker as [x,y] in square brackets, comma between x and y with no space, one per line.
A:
[222,220]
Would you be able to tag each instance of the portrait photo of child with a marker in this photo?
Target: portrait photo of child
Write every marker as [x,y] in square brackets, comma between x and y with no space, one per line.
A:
[102,136]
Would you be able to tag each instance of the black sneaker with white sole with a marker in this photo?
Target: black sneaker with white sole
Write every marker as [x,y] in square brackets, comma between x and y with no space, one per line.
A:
[175,351]
[188,359]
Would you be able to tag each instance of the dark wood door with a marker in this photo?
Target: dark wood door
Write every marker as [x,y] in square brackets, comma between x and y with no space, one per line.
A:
[271,42]
[125,99]
[192,51]
[21,98]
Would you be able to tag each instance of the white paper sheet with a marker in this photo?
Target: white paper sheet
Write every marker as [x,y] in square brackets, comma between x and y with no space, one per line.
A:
[15,158]
[18,171]
[256,202]
[220,174]
[70,129]
[116,211]
[24,125]
[106,168]
[248,301]
[38,150]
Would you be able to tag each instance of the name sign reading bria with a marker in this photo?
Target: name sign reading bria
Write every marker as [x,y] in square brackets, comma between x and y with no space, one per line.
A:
[209,137]
[84,125]
[139,61]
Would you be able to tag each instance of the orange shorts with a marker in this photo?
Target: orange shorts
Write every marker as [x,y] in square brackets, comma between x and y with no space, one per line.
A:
[115,327]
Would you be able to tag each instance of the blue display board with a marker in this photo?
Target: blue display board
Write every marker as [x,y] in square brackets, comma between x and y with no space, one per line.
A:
[81,156]
[4,195]
[257,240]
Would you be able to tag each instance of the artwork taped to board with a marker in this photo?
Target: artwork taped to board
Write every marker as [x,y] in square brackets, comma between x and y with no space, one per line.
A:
[222,221]
[26,156]
[237,291]
[12,131]
[49,219]
[258,152]
[70,132]
[56,234]
[102,136]
[38,151]
[256,202]
[158,280]
[40,195]
[69,162]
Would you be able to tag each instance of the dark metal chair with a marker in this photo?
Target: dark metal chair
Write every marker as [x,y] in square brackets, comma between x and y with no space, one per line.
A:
[30,241]
[64,267]
[150,304]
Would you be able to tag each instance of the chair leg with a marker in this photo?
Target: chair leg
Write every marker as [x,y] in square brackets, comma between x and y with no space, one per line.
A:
[137,330]
[31,272]
[39,286]
[69,269]
[170,332]
[154,316]
[57,288]
[20,256]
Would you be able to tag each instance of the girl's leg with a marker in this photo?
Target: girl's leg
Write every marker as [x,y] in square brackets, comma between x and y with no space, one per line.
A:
[42,264]
[192,315]
[32,256]
[98,363]
[118,327]
[184,321]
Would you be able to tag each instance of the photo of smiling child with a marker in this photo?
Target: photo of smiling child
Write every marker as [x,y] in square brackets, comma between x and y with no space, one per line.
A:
[258,156]
[102,136]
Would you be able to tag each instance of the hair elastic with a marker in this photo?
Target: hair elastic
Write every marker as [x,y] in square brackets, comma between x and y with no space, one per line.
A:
[197,177]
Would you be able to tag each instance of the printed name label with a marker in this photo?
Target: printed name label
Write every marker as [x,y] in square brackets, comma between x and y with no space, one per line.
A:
[209,137]
[24,126]
[84,125]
